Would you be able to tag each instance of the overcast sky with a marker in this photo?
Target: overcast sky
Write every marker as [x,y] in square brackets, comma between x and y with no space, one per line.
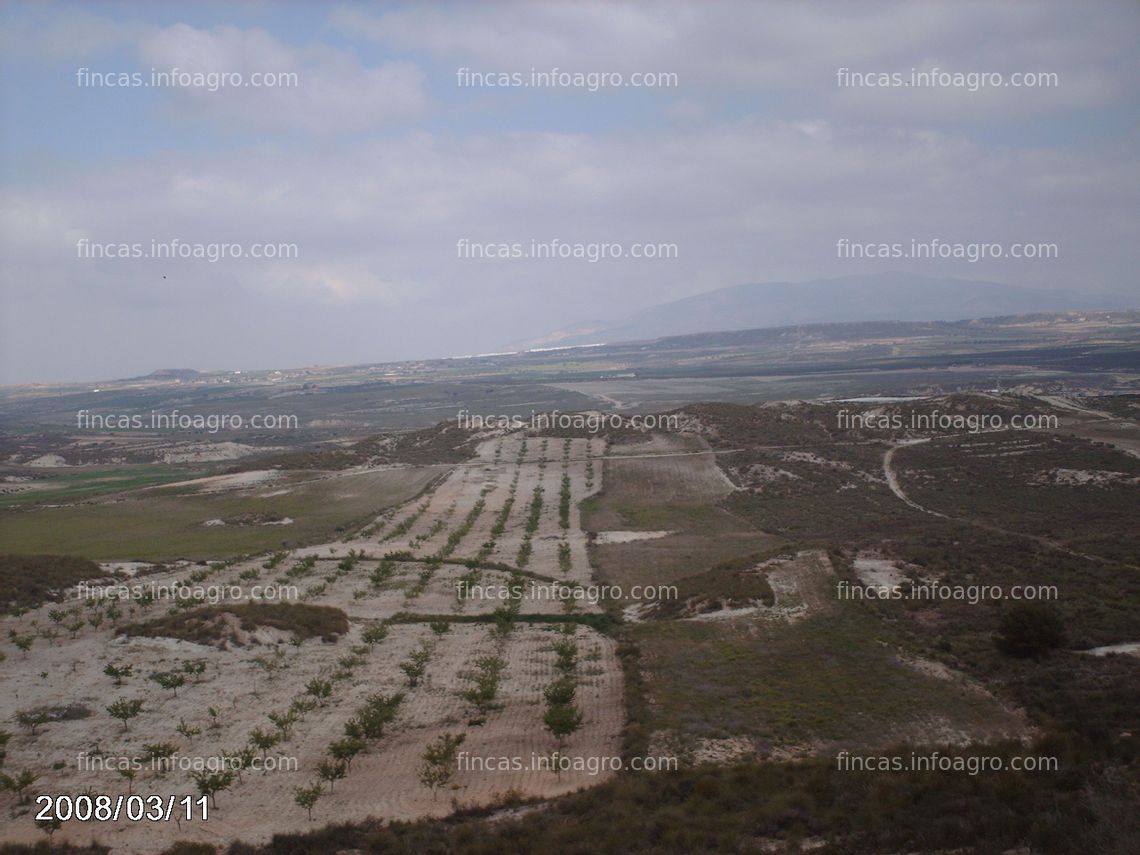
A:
[753,161]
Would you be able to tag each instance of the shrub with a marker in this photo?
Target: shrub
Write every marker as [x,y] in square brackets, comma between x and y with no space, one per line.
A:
[1030,631]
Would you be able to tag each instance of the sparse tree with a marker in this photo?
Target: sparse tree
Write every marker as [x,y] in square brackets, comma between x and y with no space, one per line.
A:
[211,783]
[416,663]
[240,759]
[332,771]
[560,692]
[195,668]
[438,766]
[283,722]
[301,707]
[49,826]
[307,797]
[263,741]
[118,672]
[374,633]
[346,749]
[562,720]
[125,710]
[19,783]
[129,775]
[370,720]
[319,689]
[271,664]
[169,680]
[30,720]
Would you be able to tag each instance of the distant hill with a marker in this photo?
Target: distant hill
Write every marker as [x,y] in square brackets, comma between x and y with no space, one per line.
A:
[172,374]
[850,299]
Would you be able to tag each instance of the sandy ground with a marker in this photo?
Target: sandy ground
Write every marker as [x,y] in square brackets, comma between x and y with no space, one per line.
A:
[235,481]
[879,572]
[604,537]
[1129,648]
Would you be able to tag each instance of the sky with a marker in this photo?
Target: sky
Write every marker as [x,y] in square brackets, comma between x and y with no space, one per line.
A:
[379,153]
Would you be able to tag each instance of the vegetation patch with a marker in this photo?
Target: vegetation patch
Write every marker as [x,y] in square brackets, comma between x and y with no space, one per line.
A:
[27,581]
[223,624]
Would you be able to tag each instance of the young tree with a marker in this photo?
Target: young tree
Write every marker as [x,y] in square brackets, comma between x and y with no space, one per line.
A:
[567,652]
[130,775]
[370,720]
[263,741]
[416,664]
[169,680]
[210,783]
[31,719]
[283,722]
[118,672]
[301,707]
[195,668]
[240,759]
[560,692]
[19,783]
[49,826]
[438,766]
[125,710]
[271,664]
[319,689]
[332,771]
[562,720]
[486,683]
[307,797]
[346,749]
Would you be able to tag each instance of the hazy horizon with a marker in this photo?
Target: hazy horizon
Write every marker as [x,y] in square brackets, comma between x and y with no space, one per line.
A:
[385,149]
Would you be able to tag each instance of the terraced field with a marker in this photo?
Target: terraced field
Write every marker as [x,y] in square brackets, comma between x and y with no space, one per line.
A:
[415,608]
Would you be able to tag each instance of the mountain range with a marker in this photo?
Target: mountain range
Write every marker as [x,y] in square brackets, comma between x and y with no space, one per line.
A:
[871,297]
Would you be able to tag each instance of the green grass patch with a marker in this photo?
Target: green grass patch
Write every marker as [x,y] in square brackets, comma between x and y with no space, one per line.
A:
[163,525]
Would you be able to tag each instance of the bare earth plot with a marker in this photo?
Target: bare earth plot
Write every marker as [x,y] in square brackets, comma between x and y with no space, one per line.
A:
[670,484]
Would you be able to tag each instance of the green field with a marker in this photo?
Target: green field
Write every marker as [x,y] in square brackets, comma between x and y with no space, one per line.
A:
[169,523]
[834,678]
[75,484]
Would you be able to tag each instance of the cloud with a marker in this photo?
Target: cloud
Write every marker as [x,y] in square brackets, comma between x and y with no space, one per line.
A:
[50,35]
[791,47]
[316,88]
[758,192]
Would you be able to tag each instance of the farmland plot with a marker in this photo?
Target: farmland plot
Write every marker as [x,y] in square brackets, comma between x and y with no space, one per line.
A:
[287,684]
